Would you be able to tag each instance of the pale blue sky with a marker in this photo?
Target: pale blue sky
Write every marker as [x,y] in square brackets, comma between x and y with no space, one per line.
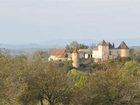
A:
[43,21]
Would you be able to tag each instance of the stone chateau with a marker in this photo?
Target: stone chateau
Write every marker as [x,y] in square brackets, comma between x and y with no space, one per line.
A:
[101,52]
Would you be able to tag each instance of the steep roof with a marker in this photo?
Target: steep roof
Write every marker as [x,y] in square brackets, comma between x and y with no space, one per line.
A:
[103,43]
[123,46]
[59,52]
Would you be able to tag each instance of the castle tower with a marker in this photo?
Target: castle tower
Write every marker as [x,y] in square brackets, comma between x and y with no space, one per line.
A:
[75,59]
[103,50]
[123,50]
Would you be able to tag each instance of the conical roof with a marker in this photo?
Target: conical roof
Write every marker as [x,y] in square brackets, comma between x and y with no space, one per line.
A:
[123,46]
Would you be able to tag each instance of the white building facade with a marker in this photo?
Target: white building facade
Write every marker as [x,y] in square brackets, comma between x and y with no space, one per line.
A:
[105,50]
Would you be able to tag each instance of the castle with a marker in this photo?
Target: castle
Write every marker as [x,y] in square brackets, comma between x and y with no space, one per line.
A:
[101,52]
[105,50]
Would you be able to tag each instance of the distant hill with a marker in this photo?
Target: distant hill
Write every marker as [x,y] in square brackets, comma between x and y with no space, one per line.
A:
[12,46]
[28,49]
[25,51]
[31,45]
[136,48]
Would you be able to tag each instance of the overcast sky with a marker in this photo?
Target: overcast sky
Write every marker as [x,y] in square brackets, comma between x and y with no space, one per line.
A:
[42,21]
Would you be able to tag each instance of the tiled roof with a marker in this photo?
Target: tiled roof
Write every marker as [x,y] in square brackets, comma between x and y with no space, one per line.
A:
[123,46]
[59,52]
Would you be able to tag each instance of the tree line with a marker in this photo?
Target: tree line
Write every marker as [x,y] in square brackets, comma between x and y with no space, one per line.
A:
[38,82]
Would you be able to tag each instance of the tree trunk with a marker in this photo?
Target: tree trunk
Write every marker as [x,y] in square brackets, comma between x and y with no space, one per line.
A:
[41,102]
[51,103]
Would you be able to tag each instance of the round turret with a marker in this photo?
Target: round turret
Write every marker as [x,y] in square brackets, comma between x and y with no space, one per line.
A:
[75,59]
[123,50]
